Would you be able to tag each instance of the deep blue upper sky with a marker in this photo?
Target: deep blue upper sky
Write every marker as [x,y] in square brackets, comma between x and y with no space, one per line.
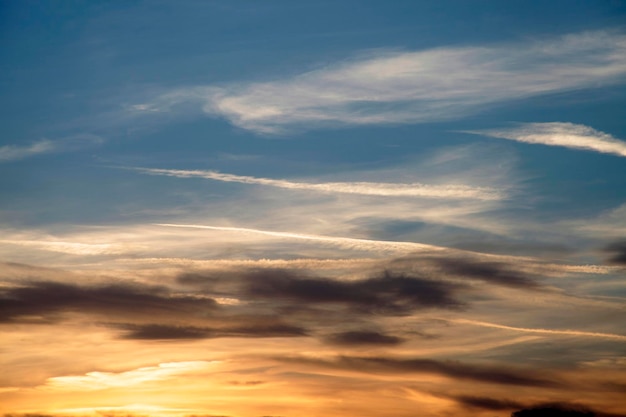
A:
[73,71]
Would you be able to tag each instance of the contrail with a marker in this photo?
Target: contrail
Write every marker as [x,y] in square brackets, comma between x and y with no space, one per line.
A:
[542,331]
[363,188]
[350,243]
[568,135]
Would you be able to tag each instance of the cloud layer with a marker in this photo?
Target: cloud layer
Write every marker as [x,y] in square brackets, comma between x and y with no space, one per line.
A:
[411,87]
[403,324]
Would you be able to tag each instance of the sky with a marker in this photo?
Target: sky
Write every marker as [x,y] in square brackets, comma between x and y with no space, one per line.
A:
[312,208]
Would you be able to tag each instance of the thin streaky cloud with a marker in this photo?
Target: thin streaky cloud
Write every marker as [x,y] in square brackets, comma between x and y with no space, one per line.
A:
[541,331]
[44,146]
[13,152]
[304,263]
[350,243]
[409,87]
[364,188]
[568,135]
[74,248]
[527,265]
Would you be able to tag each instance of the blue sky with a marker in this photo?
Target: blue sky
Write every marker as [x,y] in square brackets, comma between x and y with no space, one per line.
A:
[391,185]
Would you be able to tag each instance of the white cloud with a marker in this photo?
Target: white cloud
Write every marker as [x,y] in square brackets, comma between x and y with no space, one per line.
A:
[345,242]
[410,87]
[103,380]
[74,248]
[13,152]
[363,188]
[71,143]
[568,135]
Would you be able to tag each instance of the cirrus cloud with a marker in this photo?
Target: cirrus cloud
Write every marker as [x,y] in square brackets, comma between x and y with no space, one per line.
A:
[568,135]
[363,188]
[408,86]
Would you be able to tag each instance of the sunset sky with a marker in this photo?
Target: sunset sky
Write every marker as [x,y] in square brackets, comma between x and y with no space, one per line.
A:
[332,208]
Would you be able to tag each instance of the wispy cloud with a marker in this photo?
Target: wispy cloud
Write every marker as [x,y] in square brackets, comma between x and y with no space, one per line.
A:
[457,370]
[104,380]
[13,152]
[363,188]
[542,331]
[410,87]
[74,248]
[351,243]
[43,146]
[568,135]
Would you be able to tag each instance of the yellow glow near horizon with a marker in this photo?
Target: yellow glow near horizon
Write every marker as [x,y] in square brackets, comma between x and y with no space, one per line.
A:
[102,380]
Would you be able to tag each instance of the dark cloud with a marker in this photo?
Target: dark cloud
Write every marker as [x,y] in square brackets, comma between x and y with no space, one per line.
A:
[487,403]
[166,332]
[493,272]
[45,301]
[266,330]
[363,338]
[541,410]
[452,369]
[206,279]
[163,332]
[617,251]
[554,410]
[246,383]
[387,294]
[560,409]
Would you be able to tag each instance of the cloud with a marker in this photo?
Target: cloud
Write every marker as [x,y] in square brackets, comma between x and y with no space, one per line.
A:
[609,224]
[452,369]
[350,243]
[13,152]
[104,380]
[542,331]
[166,332]
[43,146]
[363,338]
[487,403]
[410,86]
[363,188]
[568,135]
[386,295]
[163,332]
[618,252]
[74,248]
[554,410]
[44,301]
[495,272]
